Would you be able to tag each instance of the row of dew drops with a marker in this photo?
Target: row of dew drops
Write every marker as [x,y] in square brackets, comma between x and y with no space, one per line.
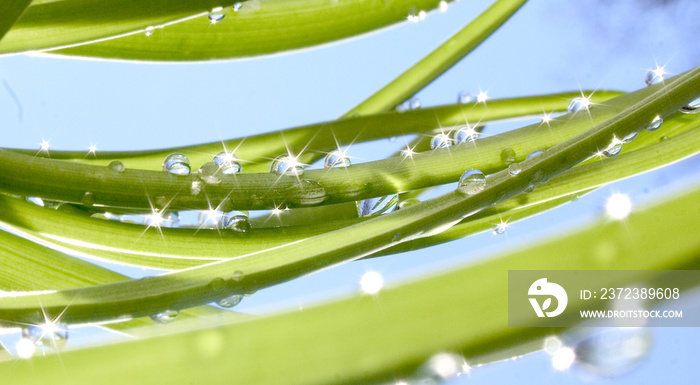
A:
[217,14]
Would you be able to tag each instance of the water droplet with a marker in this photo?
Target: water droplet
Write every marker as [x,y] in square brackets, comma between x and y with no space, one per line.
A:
[578,104]
[692,108]
[408,202]
[287,165]
[36,200]
[415,16]
[336,158]
[440,141]
[613,148]
[236,221]
[209,219]
[217,283]
[116,165]
[407,153]
[149,30]
[377,206]
[464,97]
[171,219]
[653,76]
[514,169]
[371,282]
[630,137]
[442,367]
[237,276]
[466,134]
[655,124]
[534,154]
[231,301]
[442,6]
[661,139]
[236,6]
[177,164]
[88,199]
[530,188]
[508,156]
[165,317]
[500,228]
[25,348]
[472,182]
[537,177]
[196,187]
[47,336]
[611,352]
[228,163]
[216,15]
[208,173]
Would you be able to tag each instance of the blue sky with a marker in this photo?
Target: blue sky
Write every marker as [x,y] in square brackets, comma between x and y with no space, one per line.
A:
[549,46]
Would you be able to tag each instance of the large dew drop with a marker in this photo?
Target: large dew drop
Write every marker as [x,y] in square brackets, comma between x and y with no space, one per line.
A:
[508,156]
[231,301]
[236,221]
[655,124]
[466,134]
[116,165]
[287,165]
[336,158]
[47,336]
[692,108]
[165,317]
[228,163]
[177,164]
[209,173]
[472,182]
[578,104]
[377,206]
[440,141]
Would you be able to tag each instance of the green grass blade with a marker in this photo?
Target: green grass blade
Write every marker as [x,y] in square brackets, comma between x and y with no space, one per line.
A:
[64,181]
[47,25]
[440,60]
[256,271]
[363,339]
[258,28]
[315,140]
[11,11]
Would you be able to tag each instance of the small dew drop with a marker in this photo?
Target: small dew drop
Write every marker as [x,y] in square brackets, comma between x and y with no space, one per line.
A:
[287,165]
[655,124]
[654,75]
[236,221]
[578,104]
[25,348]
[230,302]
[87,199]
[442,6]
[336,158]
[196,187]
[165,317]
[408,202]
[177,164]
[464,97]
[149,30]
[472,182]
[534,154]
[377,206]
[466,134]
[210,219]
[613,148]
[47,336]
[216,15]
[237,276]
[442,367]
[514,169]
[692,108]
[563,358]
[440,141]
[618,206]
[116,165]
[236,6]
[37,201]
[208,173]
[500,228]
[508,156]
[612,352]
[228,163]
[630,137]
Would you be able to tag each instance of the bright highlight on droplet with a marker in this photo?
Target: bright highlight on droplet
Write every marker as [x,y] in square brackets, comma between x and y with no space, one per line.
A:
[25,348]
[44,146]
[276,211]
[371,282]
[154,219]
[482,97]
[92,149]
[563,358]
[618,206]
[546,118]
[442,6]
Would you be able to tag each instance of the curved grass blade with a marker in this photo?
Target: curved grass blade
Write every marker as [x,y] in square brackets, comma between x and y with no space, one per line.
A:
[257,28]
[439,60]
[250,273]
[12,10]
